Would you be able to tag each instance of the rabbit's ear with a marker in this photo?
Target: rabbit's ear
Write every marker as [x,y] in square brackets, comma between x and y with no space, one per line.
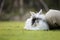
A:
[32,13]
[40,12]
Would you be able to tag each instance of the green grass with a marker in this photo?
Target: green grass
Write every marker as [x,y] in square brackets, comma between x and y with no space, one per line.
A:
[15,31]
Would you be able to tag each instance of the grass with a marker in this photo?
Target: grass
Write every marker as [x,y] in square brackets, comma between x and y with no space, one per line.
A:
[15,31]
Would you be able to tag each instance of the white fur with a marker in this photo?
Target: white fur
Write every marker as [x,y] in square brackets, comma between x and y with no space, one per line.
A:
[40,26]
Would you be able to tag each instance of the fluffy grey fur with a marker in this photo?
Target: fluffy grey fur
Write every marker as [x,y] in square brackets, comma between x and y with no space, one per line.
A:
[53,19]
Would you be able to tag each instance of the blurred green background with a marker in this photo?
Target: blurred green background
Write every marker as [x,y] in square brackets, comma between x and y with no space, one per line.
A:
[18,10]
[15,31]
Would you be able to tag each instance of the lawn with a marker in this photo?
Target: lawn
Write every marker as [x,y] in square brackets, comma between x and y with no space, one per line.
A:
[14,31]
